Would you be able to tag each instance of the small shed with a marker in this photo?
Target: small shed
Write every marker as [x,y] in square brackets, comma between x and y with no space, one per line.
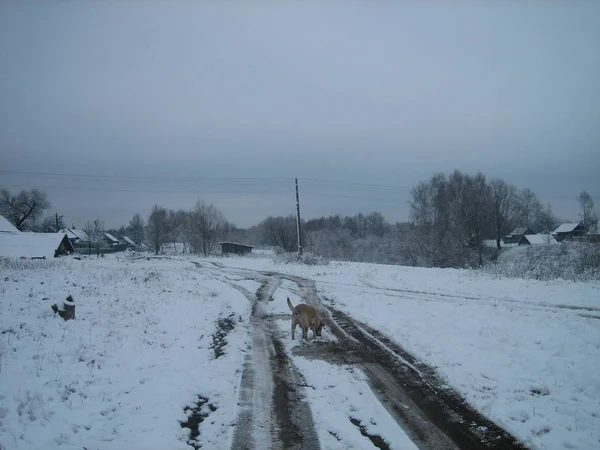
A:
[35,245]
[235,248]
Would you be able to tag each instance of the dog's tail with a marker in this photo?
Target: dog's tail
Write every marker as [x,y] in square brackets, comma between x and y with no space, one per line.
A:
[290,305]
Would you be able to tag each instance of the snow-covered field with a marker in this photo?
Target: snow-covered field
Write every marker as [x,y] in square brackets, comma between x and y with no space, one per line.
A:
[121,374]
[142,349]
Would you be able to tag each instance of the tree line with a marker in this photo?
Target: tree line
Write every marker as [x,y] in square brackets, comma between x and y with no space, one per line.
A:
[450,217]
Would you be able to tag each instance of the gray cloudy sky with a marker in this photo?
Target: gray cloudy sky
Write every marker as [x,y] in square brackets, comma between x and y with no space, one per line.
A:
[111,107]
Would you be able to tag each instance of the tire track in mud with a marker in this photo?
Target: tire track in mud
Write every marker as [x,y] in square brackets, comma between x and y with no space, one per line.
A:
[273,410]
[432,414]
[274,413]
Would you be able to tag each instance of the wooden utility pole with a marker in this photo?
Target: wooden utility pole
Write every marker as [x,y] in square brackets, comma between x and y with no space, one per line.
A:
[58,222]
[298,221]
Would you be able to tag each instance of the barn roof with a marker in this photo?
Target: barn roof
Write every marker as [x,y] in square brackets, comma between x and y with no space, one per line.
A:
[566,227]
[30,245]
[540,239]
[6,226]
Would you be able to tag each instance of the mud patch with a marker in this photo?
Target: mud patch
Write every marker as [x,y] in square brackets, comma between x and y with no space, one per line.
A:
[224,326]
[333,352]
[374,438]
[196,415]
[284,397]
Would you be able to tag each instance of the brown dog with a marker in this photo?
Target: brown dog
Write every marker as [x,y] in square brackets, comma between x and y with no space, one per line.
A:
[307,317]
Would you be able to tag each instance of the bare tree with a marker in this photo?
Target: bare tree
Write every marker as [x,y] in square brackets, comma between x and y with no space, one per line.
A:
[280,232]
[480,218]
[23,209]
[588,217]
[529,208]
[504,206]
[52,224]
[136,229]
[429,214]
[94,230]
[158,228]
[208,225]
[548,221]
[179,221]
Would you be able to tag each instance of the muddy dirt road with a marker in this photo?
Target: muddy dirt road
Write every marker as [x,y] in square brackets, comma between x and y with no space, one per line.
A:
[275,412]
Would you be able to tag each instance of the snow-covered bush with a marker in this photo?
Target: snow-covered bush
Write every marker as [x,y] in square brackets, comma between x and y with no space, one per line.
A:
[575,261]
[308,258]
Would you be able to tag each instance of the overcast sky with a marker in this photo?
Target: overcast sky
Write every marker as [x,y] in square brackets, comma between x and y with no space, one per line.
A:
[111,107]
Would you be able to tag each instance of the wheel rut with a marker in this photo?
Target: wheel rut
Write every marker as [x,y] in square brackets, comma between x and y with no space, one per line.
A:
[274,413]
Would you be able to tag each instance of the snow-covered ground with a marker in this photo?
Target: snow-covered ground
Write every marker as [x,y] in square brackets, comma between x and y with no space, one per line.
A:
[525,353]
[121,374]
[141,350]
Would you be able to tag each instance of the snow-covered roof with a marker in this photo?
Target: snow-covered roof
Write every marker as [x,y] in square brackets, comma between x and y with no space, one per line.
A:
[540,239]
[129,241]
[519,231]
[110,237]
[29,245]
[6,226]
[566,227]
[76,233]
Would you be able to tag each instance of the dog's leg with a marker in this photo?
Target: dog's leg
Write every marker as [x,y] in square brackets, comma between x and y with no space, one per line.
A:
[293,325]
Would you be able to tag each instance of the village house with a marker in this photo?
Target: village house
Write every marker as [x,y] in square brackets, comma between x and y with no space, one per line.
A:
[570,230]
[16,244]
[126,242]
[108,240]
[78,238]
[516,235]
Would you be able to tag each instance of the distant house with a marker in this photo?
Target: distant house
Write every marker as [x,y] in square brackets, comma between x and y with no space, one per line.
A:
[7,227]
[516,235]
[34,245]
[125,241]
[569,231]
[76,236]
[537,239]
[521,231]
[237,249]
[108,239]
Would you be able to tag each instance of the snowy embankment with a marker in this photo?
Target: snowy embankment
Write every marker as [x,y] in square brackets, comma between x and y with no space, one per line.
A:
[525,353]
[142,349]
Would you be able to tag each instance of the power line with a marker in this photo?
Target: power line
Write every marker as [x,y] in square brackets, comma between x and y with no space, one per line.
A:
[269,185]
[164,191]
[316,182]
